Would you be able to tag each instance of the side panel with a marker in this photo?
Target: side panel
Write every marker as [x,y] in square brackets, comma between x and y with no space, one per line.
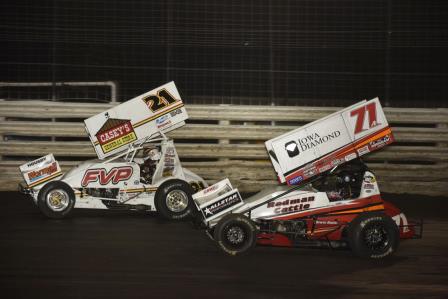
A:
[195,181]
[212,192]
[132,197]
[169,165]
[369,185]
[292,203]
[41,170]
[221,205]
[107,175]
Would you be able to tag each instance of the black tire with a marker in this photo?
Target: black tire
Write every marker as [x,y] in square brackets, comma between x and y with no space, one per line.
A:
[56,200]
[173,200]
[373,235]
[235,234]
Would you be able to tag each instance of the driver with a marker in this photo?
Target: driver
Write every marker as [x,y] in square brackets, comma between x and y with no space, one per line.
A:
[151,156]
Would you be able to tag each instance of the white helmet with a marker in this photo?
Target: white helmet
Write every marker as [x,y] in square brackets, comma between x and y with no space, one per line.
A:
[154,154]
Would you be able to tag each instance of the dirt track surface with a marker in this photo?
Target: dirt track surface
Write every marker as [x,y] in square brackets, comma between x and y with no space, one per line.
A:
[106,254]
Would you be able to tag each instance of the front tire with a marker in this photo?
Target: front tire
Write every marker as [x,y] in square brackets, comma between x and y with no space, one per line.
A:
[373,235]
[235,234]
[174,200]
[56,200]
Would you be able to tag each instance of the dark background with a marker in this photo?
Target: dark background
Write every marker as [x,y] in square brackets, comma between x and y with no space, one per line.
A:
[286,52]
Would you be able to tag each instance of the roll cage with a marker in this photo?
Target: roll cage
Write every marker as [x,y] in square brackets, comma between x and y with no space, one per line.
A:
[129,154]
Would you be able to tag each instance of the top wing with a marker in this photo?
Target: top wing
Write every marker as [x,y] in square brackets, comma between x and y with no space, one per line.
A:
[158,110]
[318,146]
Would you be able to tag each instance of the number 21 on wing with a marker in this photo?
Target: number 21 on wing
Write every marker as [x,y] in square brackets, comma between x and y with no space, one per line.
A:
[159,101]
[368,110]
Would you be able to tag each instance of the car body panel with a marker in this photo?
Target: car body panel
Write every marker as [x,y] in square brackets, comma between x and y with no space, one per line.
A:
[121,176]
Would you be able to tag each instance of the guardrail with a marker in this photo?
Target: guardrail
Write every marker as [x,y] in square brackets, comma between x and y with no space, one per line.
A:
[228,141]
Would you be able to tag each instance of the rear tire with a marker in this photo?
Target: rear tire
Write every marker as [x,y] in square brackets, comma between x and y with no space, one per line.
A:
[373,235]
[235,234]
[56,200]
[174,200]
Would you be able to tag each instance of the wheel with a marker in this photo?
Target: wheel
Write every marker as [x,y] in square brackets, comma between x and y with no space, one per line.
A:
[235,234]
[56,200]
[173,200]
[373,235]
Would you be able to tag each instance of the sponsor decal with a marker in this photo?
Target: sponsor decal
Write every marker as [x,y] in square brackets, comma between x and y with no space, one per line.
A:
[38,161]
[311,141]
[350,157]
[292,149]
[369,186]
[324,168]
[115,133]
[168,166]
[310,172]
[329,222]
[337,162]
[296,180]
[211,189]
[308,166]
[221,205]
[103,177]
[363,150]
[162,119]
[176,112]
[290,205]
[370,179]
[161,126]
[49,170]
[380,142]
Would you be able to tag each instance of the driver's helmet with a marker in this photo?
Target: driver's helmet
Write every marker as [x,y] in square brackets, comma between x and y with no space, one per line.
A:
[152,154]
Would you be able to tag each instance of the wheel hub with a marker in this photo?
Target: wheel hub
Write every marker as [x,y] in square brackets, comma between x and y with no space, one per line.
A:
[235,235]
[376,237]
[177,201]
[57,200]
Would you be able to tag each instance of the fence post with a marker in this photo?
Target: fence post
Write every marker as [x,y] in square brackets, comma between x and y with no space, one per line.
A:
[2,118]
[442,126]
[224,123]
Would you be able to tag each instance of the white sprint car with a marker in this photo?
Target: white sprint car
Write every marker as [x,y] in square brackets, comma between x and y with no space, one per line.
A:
[147,177]
[138,166]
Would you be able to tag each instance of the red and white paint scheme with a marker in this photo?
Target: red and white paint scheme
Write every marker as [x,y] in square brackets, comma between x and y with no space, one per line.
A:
[311,216]
[336,201]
